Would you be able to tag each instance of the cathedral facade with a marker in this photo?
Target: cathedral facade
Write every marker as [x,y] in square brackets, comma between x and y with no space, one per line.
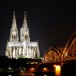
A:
[19,45]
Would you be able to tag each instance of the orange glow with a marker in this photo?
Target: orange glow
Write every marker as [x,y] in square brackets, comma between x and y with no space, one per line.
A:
[57,70]
[45,75]
[32,69]
[54,66]
[45,69]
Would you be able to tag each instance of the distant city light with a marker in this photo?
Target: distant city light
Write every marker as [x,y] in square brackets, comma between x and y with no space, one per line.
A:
[32,69]
[9,75]
[45,69]
[45,75]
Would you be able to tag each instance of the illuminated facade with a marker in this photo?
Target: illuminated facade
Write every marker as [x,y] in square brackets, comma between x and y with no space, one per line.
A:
[21,46]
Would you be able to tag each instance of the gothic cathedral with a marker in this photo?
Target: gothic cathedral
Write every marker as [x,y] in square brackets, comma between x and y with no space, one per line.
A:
[17,47]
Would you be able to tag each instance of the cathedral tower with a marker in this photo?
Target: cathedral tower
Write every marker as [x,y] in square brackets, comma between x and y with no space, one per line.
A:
[23,48]
[24,31]
[14,30]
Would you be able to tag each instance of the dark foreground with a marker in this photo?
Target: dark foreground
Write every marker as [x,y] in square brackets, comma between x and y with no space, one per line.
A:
[27,67]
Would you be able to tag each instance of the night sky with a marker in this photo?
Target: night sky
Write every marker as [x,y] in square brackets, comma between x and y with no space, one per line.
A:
[51,22]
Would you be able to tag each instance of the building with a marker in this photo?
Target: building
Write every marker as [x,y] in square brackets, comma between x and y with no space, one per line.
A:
[19,45]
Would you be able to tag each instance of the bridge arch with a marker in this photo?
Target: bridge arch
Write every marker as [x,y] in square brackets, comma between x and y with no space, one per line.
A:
[53,54]
[70,48]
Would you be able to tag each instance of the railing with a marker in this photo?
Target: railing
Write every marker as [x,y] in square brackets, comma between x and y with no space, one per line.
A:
[62,60]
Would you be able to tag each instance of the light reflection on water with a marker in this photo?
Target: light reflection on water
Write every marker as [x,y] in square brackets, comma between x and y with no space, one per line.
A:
[34,75]
[29,74]
[9,75]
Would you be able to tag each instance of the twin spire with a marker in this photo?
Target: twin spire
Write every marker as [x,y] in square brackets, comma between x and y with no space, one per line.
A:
[14,25]
[25,21]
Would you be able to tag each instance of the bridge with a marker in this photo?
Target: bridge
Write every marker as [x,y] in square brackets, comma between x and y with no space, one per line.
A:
[68,53]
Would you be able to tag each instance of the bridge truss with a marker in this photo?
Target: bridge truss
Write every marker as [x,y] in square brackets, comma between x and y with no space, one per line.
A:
[68,53]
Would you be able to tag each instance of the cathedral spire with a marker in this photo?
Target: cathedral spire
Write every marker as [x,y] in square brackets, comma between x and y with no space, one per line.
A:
[14,26]
[14,30]
[24,31]
[25,21]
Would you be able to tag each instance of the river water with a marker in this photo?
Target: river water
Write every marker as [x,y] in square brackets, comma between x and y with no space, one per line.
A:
[30,74]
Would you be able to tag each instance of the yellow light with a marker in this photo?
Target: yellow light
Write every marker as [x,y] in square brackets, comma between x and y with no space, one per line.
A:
[32,69]
[45,69]
[57,70]
[45,75]
[54,66]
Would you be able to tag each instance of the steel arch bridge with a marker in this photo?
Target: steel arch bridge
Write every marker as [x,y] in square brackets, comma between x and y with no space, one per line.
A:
[69,52]
[53,54]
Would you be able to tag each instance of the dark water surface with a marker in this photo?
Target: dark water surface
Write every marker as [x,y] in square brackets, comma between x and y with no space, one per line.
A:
[30,74]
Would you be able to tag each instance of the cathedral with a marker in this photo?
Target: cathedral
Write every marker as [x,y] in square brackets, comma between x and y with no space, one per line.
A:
[19,46]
